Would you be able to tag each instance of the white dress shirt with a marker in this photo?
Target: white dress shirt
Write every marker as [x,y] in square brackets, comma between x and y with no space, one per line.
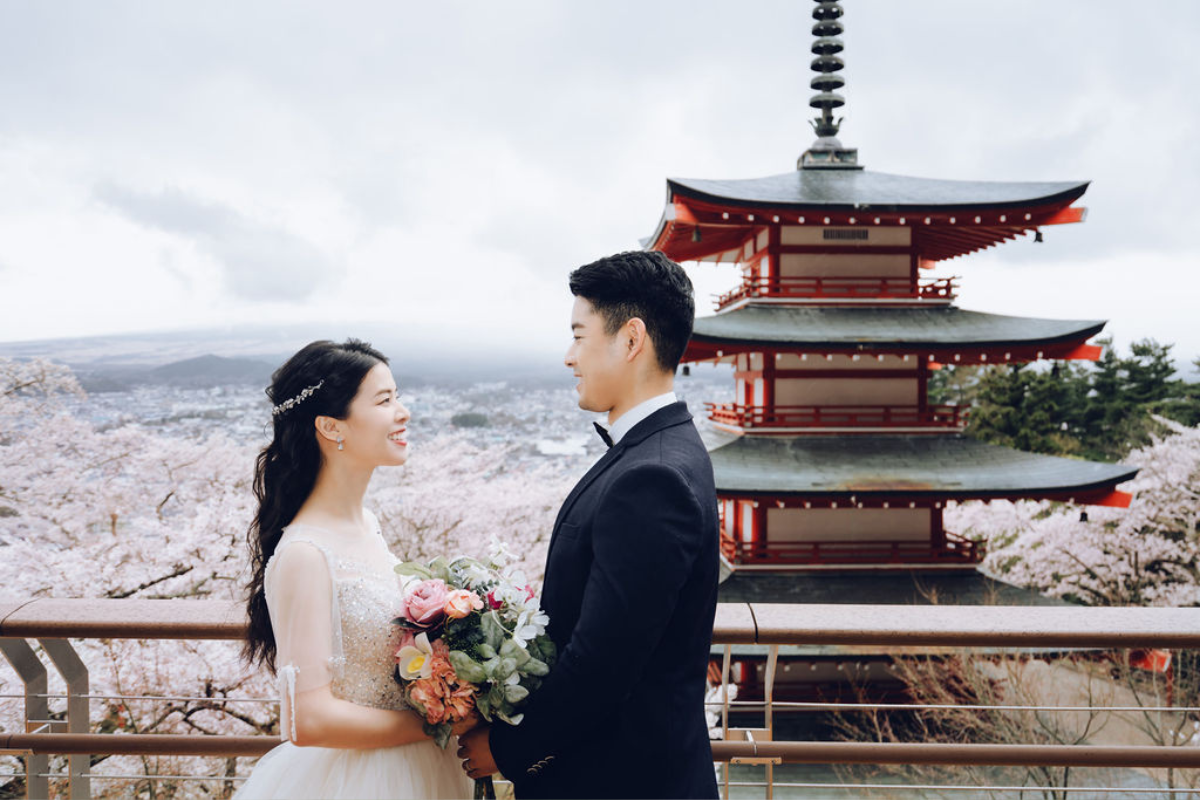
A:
[633,416]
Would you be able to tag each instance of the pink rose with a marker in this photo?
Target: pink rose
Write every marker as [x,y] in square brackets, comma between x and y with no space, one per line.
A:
[461,602]
[425,603]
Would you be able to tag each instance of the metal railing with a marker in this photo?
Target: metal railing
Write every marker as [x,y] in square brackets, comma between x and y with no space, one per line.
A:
[747,417]
[52,623]
[842,288]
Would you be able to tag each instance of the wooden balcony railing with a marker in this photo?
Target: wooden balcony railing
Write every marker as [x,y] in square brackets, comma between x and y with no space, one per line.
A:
[956,550]
[829,288]
[817,417]
[53,623]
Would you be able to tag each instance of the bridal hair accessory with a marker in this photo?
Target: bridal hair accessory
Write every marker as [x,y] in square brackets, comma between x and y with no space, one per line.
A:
[287,405]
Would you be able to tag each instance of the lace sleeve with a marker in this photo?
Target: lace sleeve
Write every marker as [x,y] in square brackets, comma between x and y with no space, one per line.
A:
[302,604]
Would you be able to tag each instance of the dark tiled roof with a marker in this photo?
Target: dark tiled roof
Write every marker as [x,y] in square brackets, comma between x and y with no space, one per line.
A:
[877,190]
[878,587]
[935,466]
[943,326]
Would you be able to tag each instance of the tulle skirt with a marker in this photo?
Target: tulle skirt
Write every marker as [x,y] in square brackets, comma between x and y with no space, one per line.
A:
[417,770]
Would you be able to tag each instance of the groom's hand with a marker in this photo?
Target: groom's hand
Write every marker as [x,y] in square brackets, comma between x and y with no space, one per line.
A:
[476,753]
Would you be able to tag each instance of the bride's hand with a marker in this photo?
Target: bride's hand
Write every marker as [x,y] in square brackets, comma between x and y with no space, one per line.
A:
[472,721]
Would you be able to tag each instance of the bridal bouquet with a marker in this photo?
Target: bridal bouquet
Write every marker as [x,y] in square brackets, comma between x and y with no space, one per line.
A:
[474,639]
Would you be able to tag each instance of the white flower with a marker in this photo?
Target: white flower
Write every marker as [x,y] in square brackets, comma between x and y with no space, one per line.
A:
[476,573]
[501,555]
[530,625]
[415,660]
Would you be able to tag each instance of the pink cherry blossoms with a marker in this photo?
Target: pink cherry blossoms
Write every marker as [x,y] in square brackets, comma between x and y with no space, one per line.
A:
[130,512]
[1148,554]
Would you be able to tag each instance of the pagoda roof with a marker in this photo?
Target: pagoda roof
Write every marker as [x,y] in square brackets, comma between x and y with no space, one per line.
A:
[711,219]
[937,467]
[905,329]
[880,191]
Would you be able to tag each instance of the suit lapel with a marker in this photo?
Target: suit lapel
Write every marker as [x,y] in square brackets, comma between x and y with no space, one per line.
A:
[674,414]
[605,461]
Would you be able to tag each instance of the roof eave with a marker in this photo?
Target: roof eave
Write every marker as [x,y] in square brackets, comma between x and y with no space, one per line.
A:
[1092,327]
[1064,197]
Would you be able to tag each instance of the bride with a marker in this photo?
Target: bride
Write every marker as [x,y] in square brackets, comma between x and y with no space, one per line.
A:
[323,593]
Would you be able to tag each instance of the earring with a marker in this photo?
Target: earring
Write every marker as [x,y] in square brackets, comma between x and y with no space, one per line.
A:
[341,443]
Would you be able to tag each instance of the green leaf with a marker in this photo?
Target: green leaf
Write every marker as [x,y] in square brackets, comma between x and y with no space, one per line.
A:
[515,693]
[486,651]
[466,668]
[534,667]
[511,720]
[490,666]
[509,649]
[484,706]
[496,698]
[461,563]
[548,647]
[507,667]
[441,734]
[548,652]
[413,568]
[440,569]
[493,632]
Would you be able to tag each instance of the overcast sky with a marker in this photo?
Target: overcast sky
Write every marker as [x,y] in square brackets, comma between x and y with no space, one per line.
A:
[444,165]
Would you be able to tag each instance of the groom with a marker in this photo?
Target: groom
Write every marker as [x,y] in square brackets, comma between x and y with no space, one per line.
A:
[631,573]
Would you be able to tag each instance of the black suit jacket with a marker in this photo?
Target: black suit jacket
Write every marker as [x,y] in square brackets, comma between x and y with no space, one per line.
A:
[631,590]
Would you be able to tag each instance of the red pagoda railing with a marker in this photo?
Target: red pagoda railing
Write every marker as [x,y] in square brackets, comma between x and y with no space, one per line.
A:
[840,288]
[954,550]
[746,417]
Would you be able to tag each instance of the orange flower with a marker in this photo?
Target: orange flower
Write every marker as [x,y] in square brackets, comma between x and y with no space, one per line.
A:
[428,693]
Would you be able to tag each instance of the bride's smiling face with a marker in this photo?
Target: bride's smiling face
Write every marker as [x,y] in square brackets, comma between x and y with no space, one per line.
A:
[376,428]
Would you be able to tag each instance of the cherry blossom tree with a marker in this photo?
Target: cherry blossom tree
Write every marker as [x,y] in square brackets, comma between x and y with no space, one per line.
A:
[1148,554]
[130,512]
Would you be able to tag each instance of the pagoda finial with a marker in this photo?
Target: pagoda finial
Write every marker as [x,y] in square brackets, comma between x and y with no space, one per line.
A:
[827,152]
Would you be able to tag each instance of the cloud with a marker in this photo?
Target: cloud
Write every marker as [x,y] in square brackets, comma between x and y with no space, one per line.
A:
[456,160]
[258,262]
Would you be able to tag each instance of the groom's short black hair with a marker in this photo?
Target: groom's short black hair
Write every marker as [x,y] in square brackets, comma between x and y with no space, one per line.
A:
[647,285]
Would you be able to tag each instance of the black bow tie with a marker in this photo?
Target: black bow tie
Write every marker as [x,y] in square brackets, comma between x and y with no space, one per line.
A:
[603,431]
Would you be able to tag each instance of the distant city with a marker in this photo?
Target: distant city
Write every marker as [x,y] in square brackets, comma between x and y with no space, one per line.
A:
[192,385]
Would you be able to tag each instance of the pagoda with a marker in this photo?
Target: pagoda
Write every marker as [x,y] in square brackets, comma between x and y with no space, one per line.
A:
[832,457]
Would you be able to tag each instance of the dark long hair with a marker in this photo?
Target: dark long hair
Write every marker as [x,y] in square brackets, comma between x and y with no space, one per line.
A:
[286,469]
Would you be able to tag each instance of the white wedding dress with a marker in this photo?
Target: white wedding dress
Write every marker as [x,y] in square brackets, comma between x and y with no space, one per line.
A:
[332,600]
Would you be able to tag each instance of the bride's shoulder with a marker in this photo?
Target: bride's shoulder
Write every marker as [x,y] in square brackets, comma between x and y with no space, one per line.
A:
[372,520]
[298,554]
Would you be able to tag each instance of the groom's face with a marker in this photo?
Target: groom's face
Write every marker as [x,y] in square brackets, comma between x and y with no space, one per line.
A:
[597,359]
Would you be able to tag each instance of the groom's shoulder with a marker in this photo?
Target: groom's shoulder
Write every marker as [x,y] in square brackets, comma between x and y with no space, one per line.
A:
[677,445]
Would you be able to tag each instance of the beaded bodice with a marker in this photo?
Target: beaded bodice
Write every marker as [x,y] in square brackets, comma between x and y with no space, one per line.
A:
[368,600]
[365,596]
